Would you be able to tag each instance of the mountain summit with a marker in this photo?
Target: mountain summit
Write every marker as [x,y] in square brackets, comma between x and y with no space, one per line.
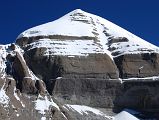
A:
[79,67]
[99,33]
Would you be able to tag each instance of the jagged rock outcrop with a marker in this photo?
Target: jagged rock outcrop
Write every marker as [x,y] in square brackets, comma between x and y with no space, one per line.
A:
[21,74]
[26,80]
[22,93]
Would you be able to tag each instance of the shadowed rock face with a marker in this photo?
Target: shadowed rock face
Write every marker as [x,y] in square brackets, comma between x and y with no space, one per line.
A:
[93,66]
[141,95]
[86,80]
[93,80]
[138,65]
[22,74]
[93,92]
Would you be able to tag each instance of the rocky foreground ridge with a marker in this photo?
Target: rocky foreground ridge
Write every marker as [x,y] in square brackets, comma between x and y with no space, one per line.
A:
[79,67]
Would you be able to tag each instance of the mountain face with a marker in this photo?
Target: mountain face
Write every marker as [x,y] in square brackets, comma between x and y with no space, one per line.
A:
[79,67]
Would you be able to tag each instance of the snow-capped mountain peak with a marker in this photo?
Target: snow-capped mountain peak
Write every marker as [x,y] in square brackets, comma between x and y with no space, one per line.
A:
[80,66]
[78,11]
[96,34]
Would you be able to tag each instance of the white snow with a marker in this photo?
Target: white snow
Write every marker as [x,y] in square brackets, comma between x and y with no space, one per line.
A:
[133,112]
[4,99]
[15,94]
[4,51]
[43,103]
[64,116]
[145,78]
[17,97]
[85,110]
[79,23]
[31,74]
[58,78]
[133,47]
[67,47]
[124,116]
[43,118]
[63,26]
[3,55]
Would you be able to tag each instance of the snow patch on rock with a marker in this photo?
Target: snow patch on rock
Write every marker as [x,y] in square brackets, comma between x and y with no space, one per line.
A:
[86,110]
[124,116]
[68,47]
[4,99]
[43,104]
[17,97]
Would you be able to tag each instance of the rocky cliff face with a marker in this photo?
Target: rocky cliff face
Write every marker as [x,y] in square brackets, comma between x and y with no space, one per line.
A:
[138,65]
[79,67]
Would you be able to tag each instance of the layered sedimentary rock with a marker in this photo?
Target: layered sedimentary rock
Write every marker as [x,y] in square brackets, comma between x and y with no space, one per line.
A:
[138,65]
[93,66]
[78,67]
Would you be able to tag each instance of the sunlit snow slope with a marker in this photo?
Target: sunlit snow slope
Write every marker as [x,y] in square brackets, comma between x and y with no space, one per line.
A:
[82,33]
